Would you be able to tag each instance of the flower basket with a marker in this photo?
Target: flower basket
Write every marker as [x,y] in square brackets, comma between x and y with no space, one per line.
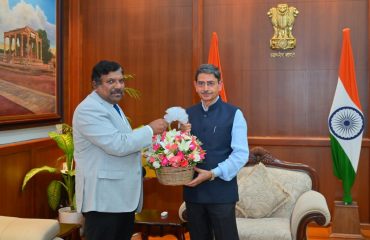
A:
[173,154]
[175,176]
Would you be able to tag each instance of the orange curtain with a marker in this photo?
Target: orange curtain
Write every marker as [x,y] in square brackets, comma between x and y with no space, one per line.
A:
[214,58]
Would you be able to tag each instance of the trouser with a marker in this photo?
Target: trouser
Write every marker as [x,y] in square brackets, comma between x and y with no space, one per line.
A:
[212,221]
[109,226]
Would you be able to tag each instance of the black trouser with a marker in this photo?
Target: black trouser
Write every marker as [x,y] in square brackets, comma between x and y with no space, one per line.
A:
[109,226]
[212,221]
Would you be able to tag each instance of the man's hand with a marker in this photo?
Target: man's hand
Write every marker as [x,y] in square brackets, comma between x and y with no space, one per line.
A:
[185,127]
[158,126]
[203,175]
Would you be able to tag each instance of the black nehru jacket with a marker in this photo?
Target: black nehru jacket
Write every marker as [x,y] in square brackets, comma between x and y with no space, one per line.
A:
[213,128]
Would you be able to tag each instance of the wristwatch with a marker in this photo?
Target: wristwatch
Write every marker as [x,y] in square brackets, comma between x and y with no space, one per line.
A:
[212,176]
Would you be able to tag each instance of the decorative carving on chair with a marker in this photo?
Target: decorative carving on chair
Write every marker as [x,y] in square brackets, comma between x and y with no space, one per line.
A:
[259,154]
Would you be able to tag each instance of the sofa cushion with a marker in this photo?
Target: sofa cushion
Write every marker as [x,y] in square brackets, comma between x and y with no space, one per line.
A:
[239,212]
[295,182]
[28,228]
[263,228]
[259,193]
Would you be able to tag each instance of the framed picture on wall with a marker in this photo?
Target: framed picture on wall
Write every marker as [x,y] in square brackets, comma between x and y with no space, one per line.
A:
[30,63]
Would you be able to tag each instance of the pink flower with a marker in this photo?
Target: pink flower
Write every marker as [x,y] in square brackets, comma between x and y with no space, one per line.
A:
[156,146]
[181,150]
[180,155]
[175,161]
[184,164]
[163,136]
[178,138]
[171,147]
[164,161]
[192,146]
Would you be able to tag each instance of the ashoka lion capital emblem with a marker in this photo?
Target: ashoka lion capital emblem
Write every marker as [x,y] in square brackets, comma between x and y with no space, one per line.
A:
[282,19]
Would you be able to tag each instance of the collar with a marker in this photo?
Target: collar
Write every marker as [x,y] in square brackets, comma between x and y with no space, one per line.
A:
[207,108]
[96,96]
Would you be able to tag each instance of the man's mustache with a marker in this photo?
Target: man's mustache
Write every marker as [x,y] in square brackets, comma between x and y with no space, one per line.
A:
[205,92]
[117,91]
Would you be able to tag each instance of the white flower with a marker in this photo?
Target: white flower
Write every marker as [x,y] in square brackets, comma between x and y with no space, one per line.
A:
[65,169]
[196,158]
[59,128]
[176,114]
[170,136]
[184,145]
[156,165]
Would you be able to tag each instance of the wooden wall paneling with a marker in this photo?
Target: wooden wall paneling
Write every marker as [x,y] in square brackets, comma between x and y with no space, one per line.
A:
[197,40]
[152,41]
[15,161]
[72,48]
[304,84]
[161,197]
[163,69]
[12,202]
[368,89]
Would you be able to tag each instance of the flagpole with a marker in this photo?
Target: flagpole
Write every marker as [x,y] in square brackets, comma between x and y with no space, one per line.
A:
[346,125]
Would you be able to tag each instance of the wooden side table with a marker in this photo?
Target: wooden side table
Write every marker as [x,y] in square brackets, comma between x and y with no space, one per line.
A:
[150,223]
[69,231]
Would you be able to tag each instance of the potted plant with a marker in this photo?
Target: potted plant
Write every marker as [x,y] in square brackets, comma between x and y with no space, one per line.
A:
[67,214]
[63,137]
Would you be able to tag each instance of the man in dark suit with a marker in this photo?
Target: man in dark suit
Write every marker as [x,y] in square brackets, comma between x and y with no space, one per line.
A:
[211,196]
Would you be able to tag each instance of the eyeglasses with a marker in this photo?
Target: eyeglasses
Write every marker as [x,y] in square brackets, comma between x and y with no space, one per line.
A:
[114,81]
[209,83]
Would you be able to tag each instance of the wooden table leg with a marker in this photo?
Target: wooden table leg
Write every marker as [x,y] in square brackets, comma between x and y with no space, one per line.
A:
[180,233]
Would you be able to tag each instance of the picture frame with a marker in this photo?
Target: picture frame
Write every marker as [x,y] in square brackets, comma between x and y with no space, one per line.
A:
[30,63]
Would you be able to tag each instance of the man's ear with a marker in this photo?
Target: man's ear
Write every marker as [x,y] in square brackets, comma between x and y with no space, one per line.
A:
[220,85]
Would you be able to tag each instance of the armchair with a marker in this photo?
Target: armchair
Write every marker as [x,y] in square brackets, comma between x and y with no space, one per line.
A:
[277,199]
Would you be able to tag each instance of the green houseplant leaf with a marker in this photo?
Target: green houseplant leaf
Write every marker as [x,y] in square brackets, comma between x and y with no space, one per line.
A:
[133,93]
[64,140]
[54,191]
[35,171]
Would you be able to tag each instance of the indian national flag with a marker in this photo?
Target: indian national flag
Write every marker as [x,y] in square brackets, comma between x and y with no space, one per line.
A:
[346,121]
[214,58]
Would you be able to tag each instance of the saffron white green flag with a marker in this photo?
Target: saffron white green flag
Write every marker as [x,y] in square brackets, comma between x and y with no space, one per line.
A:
[346,121]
